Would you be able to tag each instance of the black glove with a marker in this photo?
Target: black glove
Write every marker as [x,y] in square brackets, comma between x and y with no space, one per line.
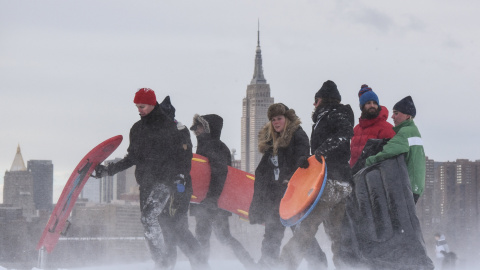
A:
[318,156]
[303,162]
[100,171]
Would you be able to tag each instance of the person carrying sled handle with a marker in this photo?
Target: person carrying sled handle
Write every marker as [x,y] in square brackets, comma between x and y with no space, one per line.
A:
[407,141]
[208,217]
[332,130]
[285,147]
[158,150]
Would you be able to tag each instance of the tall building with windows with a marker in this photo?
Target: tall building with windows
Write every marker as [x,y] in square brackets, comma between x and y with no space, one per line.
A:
[466,197]
[425,205]
[42,173]
[254,113]
[450,203]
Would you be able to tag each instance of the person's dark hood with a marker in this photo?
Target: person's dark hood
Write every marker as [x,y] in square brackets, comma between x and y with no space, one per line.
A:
[212,124]
[167,107]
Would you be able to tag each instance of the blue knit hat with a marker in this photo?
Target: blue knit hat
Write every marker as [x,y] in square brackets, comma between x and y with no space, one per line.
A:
[366,94]
[406,106]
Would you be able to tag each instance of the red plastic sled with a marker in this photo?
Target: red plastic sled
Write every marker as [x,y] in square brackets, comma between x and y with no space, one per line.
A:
[74,185]
[237,192]
[200,174]
[303,192]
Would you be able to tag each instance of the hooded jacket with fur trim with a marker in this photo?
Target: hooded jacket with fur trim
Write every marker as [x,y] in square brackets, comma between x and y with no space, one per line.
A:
[268,192]
[209,145]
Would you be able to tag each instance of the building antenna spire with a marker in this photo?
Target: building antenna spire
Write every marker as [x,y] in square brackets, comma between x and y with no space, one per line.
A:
[258,77]
[258,33]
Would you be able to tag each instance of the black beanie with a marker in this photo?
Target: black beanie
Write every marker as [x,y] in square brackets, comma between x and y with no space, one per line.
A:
[329,90]
[406,106]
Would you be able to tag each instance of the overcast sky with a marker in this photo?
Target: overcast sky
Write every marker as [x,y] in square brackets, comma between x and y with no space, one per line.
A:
[69,69]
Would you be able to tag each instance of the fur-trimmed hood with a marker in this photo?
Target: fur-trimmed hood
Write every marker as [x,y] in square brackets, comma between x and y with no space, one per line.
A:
[212,124]
[265,136]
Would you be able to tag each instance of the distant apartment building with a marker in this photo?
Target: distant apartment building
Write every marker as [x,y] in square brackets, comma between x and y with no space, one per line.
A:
[254,114]
[451,203]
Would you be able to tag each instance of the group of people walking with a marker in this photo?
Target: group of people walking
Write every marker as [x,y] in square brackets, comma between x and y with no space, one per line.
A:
[161,148]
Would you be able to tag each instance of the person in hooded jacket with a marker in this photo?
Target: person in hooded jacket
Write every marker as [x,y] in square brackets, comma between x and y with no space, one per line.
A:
[208,216]
[372,123]
[407,141]
[160,152]
[331,133]
[285,147]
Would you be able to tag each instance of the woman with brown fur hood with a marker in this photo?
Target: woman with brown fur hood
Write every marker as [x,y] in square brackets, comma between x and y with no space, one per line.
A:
[285,146]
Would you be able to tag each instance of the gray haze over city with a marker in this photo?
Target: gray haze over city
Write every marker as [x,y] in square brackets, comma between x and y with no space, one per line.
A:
[69,69]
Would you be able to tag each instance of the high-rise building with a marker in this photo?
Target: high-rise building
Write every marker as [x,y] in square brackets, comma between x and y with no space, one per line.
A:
[18,186]
[42,173]
[425,204]
[254,114]
[450,203]
[466,197]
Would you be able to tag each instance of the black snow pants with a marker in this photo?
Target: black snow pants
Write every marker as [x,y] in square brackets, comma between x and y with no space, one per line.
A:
[164,232]
[272,241]
[208,219]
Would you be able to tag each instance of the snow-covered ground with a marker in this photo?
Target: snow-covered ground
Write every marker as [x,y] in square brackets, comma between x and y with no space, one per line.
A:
[214,264]
[181,265]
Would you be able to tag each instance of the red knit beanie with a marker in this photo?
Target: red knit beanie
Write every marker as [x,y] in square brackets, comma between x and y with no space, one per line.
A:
[145,96]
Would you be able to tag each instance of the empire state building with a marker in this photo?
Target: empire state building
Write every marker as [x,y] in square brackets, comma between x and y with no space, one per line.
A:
[254,113]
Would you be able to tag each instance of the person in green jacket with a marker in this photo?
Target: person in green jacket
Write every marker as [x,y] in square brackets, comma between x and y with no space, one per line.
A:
[407,141]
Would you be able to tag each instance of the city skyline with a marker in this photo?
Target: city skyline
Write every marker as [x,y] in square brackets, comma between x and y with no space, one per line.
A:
[69,72]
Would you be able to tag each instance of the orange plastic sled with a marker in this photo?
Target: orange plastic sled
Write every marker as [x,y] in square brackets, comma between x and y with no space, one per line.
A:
[303,192]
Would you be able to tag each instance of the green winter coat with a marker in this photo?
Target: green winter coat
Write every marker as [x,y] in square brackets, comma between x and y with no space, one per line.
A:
[407,141]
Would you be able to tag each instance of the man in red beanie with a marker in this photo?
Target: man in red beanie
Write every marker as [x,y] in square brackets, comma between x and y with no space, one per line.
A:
[162,156]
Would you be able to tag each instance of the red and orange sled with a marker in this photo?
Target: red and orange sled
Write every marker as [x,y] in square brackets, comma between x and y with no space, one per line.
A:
[303,192]
[237,192]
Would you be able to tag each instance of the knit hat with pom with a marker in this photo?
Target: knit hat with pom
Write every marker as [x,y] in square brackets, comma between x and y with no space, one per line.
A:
[366,94]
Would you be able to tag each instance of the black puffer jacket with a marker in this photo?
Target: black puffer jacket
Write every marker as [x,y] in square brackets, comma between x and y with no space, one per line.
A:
[157,148]
[267,191]
[332,131]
